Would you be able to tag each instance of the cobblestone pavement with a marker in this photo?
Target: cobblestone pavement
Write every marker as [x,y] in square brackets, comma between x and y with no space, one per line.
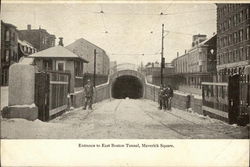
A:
[124,119]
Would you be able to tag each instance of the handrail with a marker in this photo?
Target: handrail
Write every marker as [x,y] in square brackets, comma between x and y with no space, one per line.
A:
[215,83]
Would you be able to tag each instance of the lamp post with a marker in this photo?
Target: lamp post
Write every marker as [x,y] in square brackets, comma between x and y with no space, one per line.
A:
[162,57]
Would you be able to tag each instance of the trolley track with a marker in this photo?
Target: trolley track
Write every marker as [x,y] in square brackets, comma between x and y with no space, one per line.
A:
[163,124]
[186,120]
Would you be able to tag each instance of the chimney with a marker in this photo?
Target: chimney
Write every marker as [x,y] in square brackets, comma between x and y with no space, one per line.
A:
[177,54]
[60,41]
[28,27]
[185,51]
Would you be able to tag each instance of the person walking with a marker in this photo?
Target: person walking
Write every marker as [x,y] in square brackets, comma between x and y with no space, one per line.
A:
[88,93]
[170,94]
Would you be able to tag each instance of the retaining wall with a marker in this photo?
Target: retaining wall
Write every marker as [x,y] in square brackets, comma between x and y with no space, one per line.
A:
[181,100]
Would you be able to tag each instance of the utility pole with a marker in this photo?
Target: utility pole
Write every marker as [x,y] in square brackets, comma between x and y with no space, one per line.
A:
[162,58]
[94,67]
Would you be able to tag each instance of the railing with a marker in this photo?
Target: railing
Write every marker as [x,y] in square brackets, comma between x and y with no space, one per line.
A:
[215,95]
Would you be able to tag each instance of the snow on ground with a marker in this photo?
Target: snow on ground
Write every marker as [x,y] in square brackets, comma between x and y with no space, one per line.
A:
[4,96]
[123,119]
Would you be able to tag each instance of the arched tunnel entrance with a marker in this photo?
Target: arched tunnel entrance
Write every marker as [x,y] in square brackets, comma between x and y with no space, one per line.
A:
[127,86]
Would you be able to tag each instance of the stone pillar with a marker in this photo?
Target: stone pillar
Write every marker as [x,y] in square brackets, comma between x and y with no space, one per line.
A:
[21,93]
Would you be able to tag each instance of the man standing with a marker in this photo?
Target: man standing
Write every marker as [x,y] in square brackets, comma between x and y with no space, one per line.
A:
[88,93]
[162,97]
[170,94]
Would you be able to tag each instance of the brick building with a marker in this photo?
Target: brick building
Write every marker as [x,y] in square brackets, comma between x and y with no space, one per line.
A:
[85,49]
[233,39]
[9,50]
[39,38]
[198,63]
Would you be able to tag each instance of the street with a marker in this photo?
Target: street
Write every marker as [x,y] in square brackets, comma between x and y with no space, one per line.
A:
[123,119]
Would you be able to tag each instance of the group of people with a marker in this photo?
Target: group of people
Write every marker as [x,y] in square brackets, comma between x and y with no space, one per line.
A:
[165,96]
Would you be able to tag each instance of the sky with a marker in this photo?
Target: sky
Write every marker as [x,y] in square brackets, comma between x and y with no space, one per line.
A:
[133,30]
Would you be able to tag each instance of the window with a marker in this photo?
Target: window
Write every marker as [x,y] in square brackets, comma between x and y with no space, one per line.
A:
[234,21]
[241,54]
[247,33]
[247,13]
[218,59]
[230,57]
[241,35]
[78,68]
[237,19]
[60,65]
[234,55]
[7,55]
[212,90]
[7,35]
[222,92]
[229,39]
[248,53]
[14,36]
[225,26]
[241,17]
[227,55]
[237,55]
[47,64]
[235,37]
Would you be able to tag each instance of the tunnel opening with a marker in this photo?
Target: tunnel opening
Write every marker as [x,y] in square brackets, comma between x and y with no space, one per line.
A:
[127,86]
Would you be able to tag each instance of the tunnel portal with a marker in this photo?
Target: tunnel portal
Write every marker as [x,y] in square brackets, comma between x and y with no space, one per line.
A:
[127,86]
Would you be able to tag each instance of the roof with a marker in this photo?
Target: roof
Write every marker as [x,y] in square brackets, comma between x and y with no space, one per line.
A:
[79,47]
[82,39]
[24,43]
[37,30]
[8,24]
[56,52]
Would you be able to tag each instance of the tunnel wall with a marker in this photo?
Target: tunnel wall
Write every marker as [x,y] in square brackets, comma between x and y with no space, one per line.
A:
[133,73]
[127,86]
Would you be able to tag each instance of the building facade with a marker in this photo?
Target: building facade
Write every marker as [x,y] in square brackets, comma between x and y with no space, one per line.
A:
[85,49]
[233,39]
[39,38]
[9,50]
[198,64]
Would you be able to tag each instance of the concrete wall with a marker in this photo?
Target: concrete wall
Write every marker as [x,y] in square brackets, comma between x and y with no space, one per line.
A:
[182,101]
[101,92]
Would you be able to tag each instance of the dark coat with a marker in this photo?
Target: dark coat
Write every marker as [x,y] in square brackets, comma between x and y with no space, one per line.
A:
[88,90]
